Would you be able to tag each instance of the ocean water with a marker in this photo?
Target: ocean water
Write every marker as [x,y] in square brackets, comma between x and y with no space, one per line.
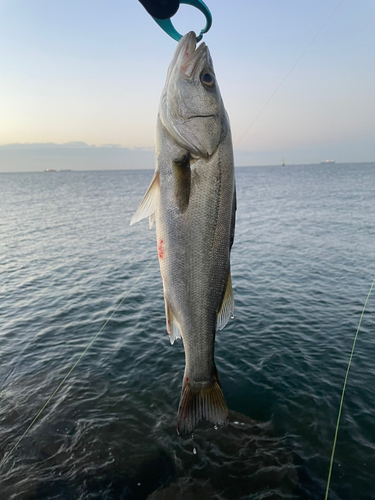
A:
[303,262]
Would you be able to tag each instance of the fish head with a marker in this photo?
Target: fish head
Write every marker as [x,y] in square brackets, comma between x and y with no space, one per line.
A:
[191,108]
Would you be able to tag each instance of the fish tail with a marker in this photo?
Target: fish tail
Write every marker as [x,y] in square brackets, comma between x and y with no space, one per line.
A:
[196,404]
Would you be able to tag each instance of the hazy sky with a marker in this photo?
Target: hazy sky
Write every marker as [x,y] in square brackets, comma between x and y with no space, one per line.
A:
[93,71]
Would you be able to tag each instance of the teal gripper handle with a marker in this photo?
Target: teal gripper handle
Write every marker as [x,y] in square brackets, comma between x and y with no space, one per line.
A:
[167,26]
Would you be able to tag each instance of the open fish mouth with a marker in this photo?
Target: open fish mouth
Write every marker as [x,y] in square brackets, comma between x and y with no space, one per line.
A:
[188,56]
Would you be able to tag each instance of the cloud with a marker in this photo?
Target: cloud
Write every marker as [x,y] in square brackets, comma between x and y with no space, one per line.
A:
[37,157]
[73,155]
[45,145]
[355,150]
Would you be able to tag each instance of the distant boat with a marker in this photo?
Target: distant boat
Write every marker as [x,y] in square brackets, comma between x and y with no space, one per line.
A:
[325,162]
[50,170]
[283,162]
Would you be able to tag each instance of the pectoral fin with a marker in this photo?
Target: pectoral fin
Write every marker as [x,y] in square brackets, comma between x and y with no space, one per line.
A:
[227,306]
[148,204]
[182,181]
[173,328]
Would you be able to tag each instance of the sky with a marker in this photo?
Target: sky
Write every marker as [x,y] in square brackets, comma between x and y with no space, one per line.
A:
[81,80]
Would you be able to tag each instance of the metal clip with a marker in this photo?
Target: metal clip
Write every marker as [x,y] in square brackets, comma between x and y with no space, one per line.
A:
[167,26]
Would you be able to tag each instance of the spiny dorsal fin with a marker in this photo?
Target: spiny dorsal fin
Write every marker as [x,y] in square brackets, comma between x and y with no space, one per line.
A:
[227,307]
[173,328]
[148,204]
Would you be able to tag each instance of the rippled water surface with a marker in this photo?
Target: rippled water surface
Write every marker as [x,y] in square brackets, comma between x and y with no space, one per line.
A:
[302,264]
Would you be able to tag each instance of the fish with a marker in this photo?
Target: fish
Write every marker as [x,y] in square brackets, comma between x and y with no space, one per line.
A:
[192,200]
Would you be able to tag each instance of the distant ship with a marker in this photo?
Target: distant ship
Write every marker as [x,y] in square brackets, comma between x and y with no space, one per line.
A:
[331,162]
[283,162]
[50,170]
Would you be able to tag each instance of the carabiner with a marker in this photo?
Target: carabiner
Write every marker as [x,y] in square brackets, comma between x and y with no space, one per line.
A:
[167,26]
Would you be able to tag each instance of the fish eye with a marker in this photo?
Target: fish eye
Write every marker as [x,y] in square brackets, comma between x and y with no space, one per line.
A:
[207,79]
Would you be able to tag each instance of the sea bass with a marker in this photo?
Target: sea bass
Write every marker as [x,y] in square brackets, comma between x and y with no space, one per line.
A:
[192,199]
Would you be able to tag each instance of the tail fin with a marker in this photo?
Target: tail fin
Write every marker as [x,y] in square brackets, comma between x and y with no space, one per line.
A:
[196,404]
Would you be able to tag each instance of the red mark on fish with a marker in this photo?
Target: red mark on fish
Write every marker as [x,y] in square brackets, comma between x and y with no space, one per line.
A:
[160,249]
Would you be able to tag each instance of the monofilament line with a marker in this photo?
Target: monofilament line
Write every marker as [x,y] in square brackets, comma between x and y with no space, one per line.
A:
[343,393]
[7,455]
[286,76]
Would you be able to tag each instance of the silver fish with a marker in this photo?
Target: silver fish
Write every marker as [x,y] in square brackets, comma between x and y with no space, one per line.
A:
[192,198]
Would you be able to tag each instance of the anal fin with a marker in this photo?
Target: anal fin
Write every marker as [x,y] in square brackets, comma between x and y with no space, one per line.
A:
[173,327]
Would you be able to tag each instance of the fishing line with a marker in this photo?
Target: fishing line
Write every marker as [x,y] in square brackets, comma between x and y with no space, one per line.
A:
[286,76]
[342,395]
[7,455]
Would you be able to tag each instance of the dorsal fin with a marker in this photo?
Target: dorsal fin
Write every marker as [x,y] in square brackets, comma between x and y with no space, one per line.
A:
[233,221]
[227,306]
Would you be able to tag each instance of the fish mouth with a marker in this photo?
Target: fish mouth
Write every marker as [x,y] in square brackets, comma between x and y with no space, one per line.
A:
[189,55]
